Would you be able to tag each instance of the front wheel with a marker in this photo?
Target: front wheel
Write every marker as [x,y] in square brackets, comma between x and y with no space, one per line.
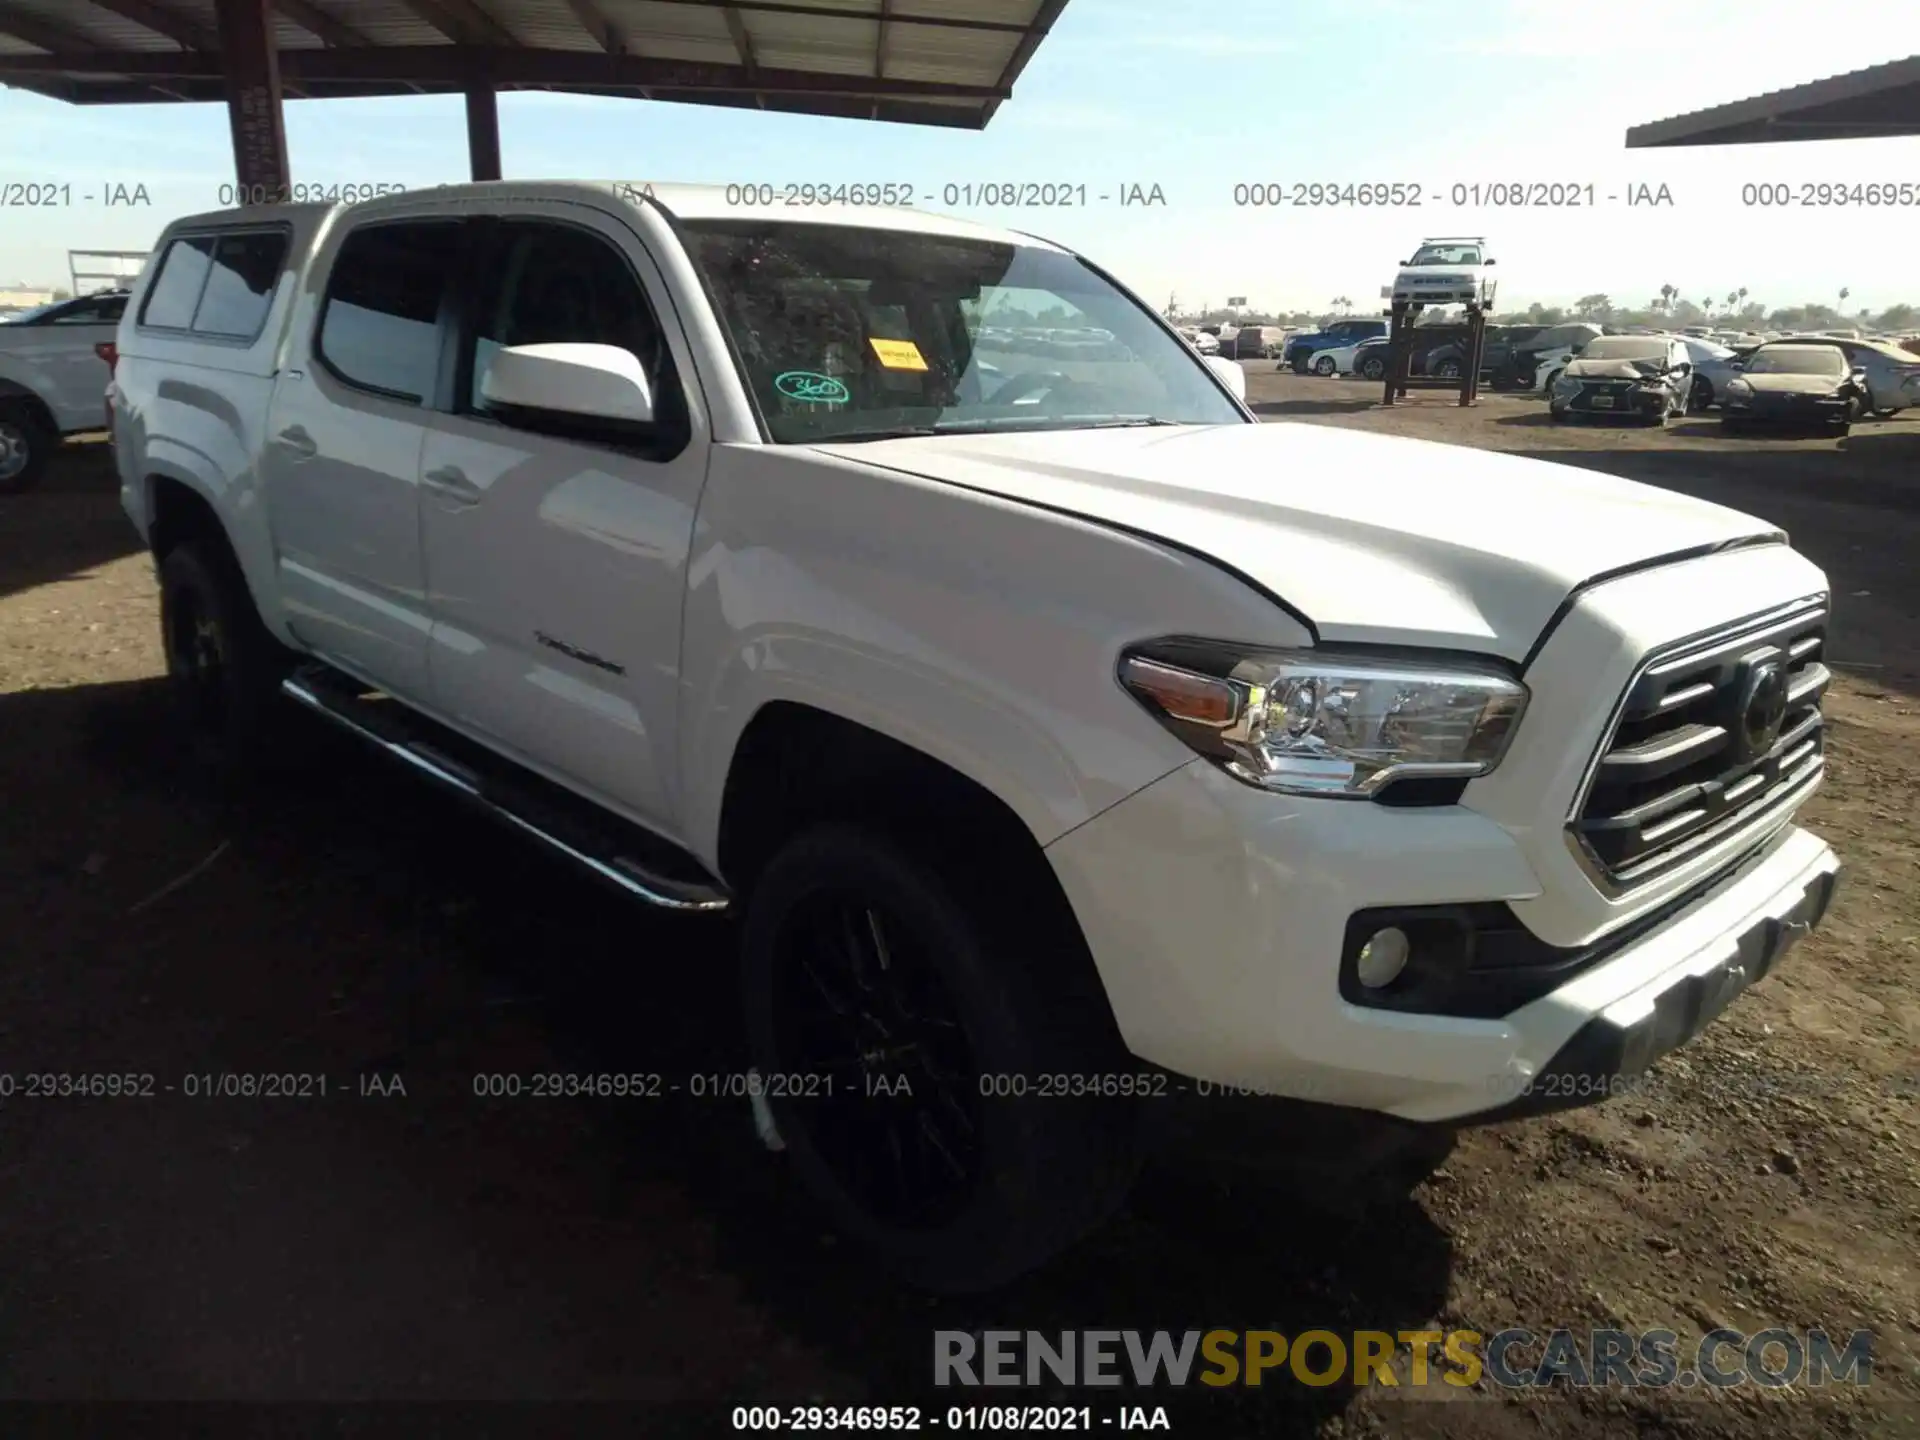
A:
[1373,368]
[1447,370]
[913,1018]
[1700,397]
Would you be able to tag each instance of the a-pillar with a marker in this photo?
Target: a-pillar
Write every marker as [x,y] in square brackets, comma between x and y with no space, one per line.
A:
[483,132]
[252,75]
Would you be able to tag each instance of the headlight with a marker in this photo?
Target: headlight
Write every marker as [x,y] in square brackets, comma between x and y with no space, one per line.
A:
[1312,722]
[1737,386]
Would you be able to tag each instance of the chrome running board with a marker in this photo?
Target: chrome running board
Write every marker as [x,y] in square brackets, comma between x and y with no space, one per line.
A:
[600,844]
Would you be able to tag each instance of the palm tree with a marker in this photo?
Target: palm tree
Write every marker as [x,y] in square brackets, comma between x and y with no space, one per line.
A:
[1667,295]
[1742,294]
[1844,292]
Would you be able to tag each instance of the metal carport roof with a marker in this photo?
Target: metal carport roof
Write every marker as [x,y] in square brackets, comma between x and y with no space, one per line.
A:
[1878,101]
[929,62]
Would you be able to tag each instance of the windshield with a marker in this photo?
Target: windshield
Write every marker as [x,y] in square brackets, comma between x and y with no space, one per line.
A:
[1624,347]
[844,332]
[1797,360]
[1447,255]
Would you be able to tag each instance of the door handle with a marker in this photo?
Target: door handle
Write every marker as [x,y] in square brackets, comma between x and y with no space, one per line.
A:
[452,482]
[297,442]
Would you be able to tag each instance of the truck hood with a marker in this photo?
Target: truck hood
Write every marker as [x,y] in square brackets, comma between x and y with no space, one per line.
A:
[1373,538]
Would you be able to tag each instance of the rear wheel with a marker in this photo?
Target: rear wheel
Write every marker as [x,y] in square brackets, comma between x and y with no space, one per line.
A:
[223,665]
[1323,365]
[25,447]
[1447,370]
[1373,368]
[907,1014]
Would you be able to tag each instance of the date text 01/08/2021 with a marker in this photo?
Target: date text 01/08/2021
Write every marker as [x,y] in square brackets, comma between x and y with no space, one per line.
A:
[902,1419]
[970,194]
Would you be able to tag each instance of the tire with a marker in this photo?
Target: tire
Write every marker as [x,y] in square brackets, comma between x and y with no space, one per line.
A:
[1009,1182]
[26,446]
[1447,370]
[1546,387]
[224,667]
[1323,365]
[1700,397]
[1373,368]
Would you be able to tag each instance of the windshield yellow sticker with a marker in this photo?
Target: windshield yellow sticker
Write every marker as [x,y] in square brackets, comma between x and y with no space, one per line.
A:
[898,354]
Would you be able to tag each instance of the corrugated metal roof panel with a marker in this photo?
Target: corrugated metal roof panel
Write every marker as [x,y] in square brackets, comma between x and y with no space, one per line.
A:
[1879,100]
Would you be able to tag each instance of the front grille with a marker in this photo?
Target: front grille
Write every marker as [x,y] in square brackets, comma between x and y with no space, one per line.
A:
[1713,737]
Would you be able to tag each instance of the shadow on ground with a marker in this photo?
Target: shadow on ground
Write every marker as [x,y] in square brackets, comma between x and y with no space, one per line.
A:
[60,528]
[345,921]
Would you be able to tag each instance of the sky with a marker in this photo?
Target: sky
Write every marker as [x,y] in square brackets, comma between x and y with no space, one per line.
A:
[1195,101]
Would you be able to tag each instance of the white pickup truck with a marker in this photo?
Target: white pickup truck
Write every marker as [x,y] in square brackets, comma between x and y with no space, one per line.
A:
[53,375]
[1067,741]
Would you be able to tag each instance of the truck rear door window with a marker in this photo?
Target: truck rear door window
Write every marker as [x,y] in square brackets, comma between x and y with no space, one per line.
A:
[176,289]
[240,284]
[380,328]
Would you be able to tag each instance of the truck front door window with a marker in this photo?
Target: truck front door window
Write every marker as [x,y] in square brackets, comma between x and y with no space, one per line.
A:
[380,327]
[560,285]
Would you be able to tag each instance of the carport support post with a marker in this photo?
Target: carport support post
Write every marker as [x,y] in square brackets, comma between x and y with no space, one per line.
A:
[483,132]
[252,82]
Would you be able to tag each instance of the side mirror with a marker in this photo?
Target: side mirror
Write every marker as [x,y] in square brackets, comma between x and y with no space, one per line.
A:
[1230,375]
[1489,261]
[601,382]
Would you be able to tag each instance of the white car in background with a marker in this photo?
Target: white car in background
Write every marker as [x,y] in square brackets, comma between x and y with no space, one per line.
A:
[54,369]
[1446,270]
[1335,359]
[1201,341]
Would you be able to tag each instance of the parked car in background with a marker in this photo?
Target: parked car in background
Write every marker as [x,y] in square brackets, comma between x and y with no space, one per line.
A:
[1370,358]
[1334,359]
[1888,369]
[1639,377]
[1257,342]
[1793,384]
[1446,270]
[1713,366]
[1340,332]
[55,362]
[1203,342]
[1539,359]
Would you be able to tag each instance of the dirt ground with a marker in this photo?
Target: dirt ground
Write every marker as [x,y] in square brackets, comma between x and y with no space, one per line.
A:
[426,1244]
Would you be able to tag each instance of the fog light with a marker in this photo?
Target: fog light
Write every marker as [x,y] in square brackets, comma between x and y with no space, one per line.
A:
[1382,958]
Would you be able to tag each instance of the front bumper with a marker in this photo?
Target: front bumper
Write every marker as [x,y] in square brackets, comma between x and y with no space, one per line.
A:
[1767,410]
[1603,402]
[1217,913]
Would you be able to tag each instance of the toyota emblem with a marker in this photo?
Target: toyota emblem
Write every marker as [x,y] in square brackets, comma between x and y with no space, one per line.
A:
[1763,707]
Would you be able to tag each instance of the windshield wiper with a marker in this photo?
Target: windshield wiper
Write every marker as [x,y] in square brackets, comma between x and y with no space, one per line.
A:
[1050,422]
[879,432]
